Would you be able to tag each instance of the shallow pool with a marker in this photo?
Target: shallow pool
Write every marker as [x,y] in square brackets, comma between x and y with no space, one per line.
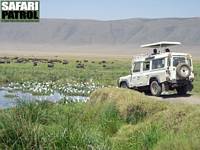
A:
[9,97]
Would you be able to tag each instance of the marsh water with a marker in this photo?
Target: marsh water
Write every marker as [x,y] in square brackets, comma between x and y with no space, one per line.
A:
[10,97]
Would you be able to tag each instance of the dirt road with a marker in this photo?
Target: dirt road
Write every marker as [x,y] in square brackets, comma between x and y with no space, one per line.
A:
[191,99]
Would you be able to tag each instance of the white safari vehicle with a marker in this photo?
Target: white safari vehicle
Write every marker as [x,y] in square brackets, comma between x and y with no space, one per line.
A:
[160,71]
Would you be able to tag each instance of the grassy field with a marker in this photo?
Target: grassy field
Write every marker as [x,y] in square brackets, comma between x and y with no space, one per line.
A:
[113,118]
[104,72]
[75,77]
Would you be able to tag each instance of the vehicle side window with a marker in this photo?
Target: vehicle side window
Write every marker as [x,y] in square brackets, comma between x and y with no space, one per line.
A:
[146,65]
[137,67]
[158,63]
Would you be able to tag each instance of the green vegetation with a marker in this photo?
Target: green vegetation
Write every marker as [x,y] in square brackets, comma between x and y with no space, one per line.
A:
[105,73]
[71,77]
[197,78]
[114,118]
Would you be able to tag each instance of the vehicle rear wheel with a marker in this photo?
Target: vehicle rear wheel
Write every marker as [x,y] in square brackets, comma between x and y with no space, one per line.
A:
[124,85]
[155,88]
[183,70]
[182,90]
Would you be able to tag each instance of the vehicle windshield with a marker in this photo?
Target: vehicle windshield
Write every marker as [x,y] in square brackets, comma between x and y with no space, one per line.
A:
[181,59]
[137,67]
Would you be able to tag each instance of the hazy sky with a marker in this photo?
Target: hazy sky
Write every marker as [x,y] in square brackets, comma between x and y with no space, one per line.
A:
[119,9]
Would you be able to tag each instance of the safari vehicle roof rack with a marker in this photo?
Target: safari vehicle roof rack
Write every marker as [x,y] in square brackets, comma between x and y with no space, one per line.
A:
[160,44]
[163,44]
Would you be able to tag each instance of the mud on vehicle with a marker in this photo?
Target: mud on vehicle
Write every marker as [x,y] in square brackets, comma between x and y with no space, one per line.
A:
[160,71]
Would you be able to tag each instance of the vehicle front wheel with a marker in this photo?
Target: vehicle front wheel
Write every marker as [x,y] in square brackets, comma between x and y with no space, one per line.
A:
[182,90]
[123,85]
[155,88]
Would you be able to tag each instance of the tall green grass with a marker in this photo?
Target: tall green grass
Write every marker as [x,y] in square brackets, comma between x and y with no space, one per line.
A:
[115,119]
[43,125]
[159,125]
[197,78]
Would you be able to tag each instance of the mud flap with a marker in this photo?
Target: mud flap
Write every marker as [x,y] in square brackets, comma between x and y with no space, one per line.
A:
[190,87]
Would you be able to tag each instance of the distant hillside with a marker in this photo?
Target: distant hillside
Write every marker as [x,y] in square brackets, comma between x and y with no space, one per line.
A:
[90,32]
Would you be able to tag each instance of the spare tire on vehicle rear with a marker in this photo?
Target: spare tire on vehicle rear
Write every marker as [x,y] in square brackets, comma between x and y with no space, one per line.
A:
[183,70]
